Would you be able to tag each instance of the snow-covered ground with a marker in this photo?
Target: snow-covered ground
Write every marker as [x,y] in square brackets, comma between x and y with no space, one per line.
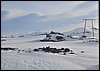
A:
[12,60]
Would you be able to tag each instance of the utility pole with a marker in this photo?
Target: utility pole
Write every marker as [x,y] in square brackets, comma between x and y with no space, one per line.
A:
[85,26]
[37,32]
[92,28]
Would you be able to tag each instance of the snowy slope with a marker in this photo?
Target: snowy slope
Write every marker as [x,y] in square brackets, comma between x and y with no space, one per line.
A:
[95,67]
[12,60]
[36,61]
[78,32]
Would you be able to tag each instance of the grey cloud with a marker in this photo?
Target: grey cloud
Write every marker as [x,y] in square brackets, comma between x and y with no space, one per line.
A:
[4,13]
[85,5]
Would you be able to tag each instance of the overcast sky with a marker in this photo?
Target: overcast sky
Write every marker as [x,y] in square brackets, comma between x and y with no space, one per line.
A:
[53,10]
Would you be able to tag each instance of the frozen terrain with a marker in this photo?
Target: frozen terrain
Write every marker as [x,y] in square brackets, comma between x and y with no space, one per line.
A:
[26,26]
[12,60]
